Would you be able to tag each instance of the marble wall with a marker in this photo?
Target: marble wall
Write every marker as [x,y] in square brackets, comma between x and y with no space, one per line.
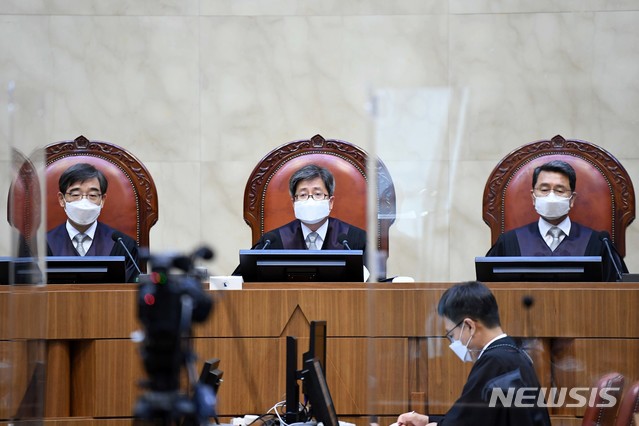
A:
[200,90]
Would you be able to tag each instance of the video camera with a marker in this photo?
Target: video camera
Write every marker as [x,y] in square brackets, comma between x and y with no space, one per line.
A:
[168,304]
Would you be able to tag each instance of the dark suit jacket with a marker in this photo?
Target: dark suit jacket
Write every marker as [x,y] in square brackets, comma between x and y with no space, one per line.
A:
[582,241]
[502,365]
[290,237]
[59,244]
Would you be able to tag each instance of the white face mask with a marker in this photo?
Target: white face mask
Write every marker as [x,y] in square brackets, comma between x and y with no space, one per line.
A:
[460,349]
[82,212]
[552,206]
[311,211]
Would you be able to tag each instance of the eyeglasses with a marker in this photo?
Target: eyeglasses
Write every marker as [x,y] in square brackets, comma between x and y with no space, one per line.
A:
[77,196]
[317,196]
[449,333]
[559,191]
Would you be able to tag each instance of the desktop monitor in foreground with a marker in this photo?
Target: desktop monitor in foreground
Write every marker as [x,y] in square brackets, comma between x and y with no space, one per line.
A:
[302,265]
[313,377]
[539,268]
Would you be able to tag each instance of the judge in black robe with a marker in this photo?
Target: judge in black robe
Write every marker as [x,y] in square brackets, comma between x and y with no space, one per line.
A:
[59,244]
[581,241]
[553,195]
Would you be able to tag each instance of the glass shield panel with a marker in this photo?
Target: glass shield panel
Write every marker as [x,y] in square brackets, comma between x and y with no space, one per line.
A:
[24,346]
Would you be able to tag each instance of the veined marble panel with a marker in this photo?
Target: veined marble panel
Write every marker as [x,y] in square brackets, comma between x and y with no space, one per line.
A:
[131,81]
[99,7]
[179,195]
[321,7]
[615,84]
[534,6]
[525,77]
[267,81]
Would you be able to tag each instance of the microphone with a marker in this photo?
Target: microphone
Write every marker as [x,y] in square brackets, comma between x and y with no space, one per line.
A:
[117,237]
[604,238]
[343,240]
[270,239]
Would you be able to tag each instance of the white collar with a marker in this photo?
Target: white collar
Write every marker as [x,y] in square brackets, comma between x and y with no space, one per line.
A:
[501,336]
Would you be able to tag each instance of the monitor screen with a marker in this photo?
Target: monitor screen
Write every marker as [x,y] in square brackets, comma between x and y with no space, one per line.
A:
[317,344]
[64,270]
[318,395]
[302,265]
[539,268]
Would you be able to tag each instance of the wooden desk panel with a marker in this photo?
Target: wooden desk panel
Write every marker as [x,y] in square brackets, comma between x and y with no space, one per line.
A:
[385,351]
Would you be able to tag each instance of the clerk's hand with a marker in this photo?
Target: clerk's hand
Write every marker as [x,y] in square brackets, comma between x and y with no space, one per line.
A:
[412,419]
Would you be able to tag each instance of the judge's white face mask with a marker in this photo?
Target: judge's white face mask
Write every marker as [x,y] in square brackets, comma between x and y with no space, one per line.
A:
[311,211]
[460,349]
[552,206]
[82,212]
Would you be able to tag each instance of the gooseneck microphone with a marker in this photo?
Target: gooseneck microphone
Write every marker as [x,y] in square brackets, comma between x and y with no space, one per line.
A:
[604,238]
[117,237]
[343,239]
[270,239]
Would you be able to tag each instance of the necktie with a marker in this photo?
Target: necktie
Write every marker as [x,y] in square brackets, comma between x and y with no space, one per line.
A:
[310,240]
[79,240]
[556,234]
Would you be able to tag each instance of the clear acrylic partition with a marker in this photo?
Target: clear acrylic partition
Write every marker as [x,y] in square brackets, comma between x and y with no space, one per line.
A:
[23,308]
[411,129]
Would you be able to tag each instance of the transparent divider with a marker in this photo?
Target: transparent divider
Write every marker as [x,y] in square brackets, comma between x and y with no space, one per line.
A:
[23,303]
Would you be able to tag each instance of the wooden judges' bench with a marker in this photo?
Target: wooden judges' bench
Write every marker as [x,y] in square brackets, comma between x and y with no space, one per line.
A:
[385,354]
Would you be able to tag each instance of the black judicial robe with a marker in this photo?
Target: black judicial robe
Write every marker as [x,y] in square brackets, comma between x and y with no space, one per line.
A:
[291,237]
[59,244]
[501,365]
[582,241]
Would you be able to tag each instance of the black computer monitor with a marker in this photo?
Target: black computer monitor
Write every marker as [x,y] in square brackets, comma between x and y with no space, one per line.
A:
[317,344]
[317,393]
[539,268]
[314,387]
[85,269]
[302,265]
[63,270]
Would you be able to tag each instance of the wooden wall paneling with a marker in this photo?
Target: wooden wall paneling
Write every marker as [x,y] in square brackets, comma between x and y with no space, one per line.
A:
[581,362]
[105,376]
[446,376]
[58,383]
[13,376]
[418,375]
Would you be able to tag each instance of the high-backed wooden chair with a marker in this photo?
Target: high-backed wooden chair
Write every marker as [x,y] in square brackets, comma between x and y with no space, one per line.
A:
[267,202]
[629,407]
[131,205]
[599,413]
[605,200]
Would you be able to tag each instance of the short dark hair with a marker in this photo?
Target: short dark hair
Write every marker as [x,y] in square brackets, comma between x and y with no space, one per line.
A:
[79,173]
[312,171]
[470,299]
[559,167]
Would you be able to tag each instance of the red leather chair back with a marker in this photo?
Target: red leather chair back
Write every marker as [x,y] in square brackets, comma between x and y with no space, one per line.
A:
[131,205]
[629,407]
[605,194]
[595,414]
[267,202]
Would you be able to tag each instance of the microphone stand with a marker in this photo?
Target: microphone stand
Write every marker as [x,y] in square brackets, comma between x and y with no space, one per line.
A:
[612,258]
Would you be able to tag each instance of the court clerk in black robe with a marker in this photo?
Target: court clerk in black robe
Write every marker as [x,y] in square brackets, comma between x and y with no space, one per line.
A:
[559,178]
[471,317]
